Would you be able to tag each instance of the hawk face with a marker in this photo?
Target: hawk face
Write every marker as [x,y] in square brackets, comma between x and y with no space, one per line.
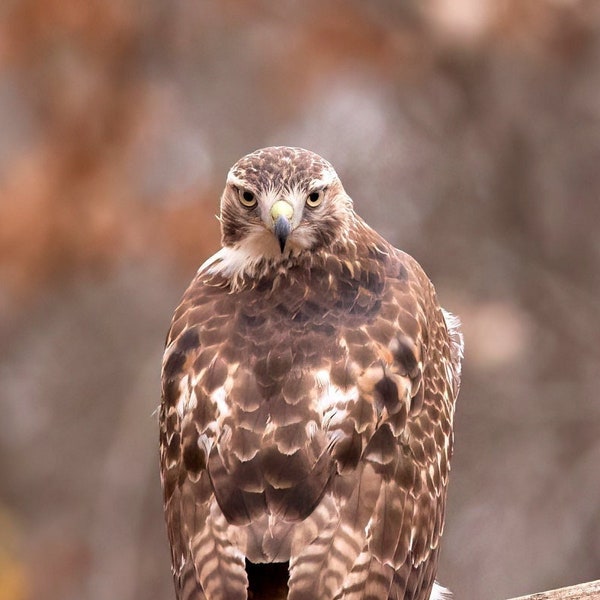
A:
[280,203]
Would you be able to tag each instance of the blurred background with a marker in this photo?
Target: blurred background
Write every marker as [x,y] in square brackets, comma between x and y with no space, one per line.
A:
[467,132]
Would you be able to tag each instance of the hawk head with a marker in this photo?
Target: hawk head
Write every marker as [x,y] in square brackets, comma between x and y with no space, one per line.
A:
[280,203]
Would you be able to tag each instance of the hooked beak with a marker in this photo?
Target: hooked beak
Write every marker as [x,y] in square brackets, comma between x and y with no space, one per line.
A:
[281,213]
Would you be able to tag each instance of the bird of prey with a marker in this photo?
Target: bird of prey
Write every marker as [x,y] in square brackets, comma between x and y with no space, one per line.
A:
[308,391]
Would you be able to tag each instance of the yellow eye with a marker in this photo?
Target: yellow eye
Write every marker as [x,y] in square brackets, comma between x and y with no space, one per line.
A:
[247,198]
[314,199]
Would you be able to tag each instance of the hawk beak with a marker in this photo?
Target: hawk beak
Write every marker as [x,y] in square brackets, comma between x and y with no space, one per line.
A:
[281,213]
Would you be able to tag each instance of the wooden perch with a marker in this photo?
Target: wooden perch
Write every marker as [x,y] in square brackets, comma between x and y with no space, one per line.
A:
[583,591]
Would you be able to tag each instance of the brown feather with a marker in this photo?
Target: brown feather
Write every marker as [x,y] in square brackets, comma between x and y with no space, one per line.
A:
[307,403]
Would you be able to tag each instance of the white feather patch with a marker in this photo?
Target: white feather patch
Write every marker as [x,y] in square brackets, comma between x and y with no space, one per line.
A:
[184,401]
[322,378]
[457,343]
[257,249]
[439,592]
[235,261]
[219,397]
[456,337]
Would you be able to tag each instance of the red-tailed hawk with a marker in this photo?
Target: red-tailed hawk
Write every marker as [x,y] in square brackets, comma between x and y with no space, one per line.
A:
[308,392]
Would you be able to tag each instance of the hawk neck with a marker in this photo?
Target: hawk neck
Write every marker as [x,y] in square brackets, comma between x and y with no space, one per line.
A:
[360,253]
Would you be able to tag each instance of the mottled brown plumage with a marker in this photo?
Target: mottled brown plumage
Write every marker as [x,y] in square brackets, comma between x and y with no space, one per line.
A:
[308,399]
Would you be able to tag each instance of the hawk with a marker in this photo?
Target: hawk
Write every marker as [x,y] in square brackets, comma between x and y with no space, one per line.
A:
[308,391]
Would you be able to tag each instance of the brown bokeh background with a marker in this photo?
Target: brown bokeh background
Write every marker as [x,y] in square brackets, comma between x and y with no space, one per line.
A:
[467,132]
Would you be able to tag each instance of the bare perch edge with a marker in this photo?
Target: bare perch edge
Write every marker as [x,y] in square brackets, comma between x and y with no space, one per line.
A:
[583,591]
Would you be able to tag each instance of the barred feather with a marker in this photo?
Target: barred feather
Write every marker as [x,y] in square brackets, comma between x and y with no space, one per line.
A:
[307,403]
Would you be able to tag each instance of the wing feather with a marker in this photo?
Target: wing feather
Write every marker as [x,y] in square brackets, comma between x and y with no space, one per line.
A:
[408,375]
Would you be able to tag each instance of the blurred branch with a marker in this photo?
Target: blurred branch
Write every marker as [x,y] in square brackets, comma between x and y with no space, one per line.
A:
[583,591]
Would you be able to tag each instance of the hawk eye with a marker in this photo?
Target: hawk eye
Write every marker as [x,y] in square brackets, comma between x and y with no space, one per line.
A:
[314,199]
[247,198]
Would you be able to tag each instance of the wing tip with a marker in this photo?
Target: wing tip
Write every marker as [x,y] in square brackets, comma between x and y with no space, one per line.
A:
[439,592]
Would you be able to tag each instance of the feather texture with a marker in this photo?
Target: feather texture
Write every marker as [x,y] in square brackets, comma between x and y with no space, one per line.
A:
[307,402]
